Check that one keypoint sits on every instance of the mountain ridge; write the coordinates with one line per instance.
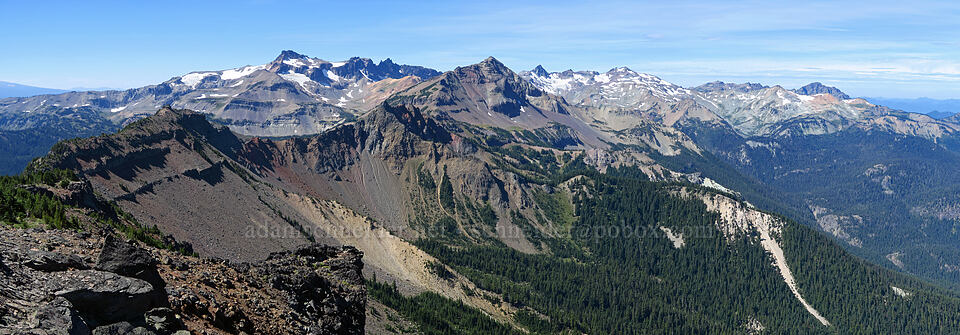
(400, 173)
(474, 125)
(292, 95)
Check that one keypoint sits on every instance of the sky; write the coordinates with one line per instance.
(901, 49)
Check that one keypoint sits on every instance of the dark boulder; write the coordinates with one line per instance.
(59, 317)
(125, 258)
(104, 298)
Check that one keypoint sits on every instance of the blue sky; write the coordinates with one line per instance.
(876, 48)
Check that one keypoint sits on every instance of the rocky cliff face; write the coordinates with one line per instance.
(490, 94)
(170, 172)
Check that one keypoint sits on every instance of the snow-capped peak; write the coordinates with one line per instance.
(620, 86)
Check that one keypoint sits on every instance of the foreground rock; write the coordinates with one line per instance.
(50, 284)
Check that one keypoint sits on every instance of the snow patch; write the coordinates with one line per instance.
(755, 144)
(332, 76)
(118, 109)
(298, 78)
(294, 62)
(602, 78)
(241, 72)
(194, 79)
(553, 83)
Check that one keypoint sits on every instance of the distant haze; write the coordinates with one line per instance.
(17, 90)
(934, 107)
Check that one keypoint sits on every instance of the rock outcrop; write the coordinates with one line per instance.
(65, 282)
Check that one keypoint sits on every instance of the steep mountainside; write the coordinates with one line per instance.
(858, 171)
(431, 202)
(889, 197)
(243, 200)
(485, 202)
(875, 178)
(292, 95)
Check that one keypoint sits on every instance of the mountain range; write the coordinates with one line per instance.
(8, 89)
(937, 108)
(523, 199)
(807, 144)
